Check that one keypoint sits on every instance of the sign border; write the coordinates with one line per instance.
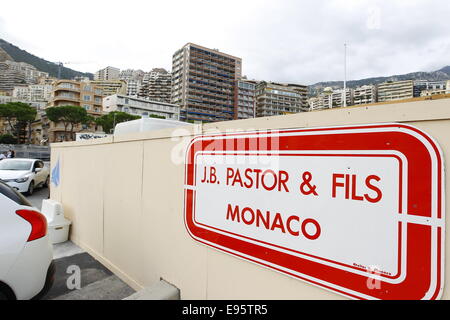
(437, 226)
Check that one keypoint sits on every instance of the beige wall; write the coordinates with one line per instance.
(125, 199)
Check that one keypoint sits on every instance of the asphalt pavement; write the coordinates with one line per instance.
(38, 195)
(78, 275)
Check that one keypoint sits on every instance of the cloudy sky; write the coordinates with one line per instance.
(285, 40)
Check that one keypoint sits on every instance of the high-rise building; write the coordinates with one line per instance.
(280, 98)
(133, 79)
(246, 98)
(365, 95)
(204, 83)
(395, 90)
(133, 87)
(156, 86)
(108, 73)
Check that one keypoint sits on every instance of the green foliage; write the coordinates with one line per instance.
(68, 116)
(108, 121)
(8, 139)
(156, 116)
(19, 116)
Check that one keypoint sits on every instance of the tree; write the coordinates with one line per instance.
(76, 116)
(67, 115)
(8, 139)
(108, 121)
(19, 116)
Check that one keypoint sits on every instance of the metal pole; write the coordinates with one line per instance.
(345, 75)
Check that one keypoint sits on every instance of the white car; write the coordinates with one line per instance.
(26, 257)
(24, 175)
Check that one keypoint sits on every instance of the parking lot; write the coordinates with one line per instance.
(78, 275)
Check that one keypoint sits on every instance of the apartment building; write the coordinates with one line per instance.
(75, 93)
(204, 83)
(331, 98)
(246, 99)
(141, 107)
(108, 73)
(110, 87)
(426, 88)
(133, 87)
(395, 90)
(10, 77)
(35, 104)
(338, 98)
(280, 98)
(131, 74)
(156, 85)
(315, 103)
(33, 92)
(365, 95)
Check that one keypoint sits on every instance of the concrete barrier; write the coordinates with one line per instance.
(124, 196)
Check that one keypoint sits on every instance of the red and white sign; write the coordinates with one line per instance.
(357, 210)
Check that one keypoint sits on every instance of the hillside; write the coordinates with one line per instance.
(442, 74)
(51, 68)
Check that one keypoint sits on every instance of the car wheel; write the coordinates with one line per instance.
(30, 188)
(47, 182)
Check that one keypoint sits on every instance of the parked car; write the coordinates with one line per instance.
(24, 175)
(26, 257)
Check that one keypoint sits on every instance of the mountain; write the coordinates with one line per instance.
(51, 68)
(438, 75)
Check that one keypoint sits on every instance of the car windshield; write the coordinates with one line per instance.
(15, 165)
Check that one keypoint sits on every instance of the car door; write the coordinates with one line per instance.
(39, 176)
(14, 230)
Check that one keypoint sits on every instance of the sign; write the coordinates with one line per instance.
(357, 210)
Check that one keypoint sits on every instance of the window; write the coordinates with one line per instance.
(86, 107)
(38, 164)
(87, 98)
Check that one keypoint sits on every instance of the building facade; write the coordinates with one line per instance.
(246, 98)
(279, 99)
(431, 87)
(141, 107)
(9, 78)
(75, 93)
(133, 87)
(156, 85)
(110, 87)
(395, 90)
(33, 92)
(204, 83)
(108, 73)
(365, 95)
